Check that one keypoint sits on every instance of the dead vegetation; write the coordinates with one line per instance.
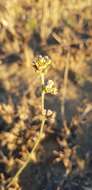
(61, 30)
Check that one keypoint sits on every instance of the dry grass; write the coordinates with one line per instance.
(61, 30)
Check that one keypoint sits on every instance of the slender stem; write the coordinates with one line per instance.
(43, 93)
(43, 99)
(65, 90)
(25, 164)
(15, 178)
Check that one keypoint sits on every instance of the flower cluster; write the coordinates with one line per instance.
(50, 87)
(41, 63)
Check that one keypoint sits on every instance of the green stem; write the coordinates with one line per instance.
(15, 178)
(37, 141)
(43, 99)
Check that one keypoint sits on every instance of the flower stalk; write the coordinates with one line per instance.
(40, 65)
(43, 102)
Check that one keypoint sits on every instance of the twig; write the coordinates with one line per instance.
(65, 90)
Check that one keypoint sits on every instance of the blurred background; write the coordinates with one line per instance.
(61, 29)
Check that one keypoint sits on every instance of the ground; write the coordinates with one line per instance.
(27, 30)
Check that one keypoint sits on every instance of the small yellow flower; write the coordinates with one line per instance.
(50, 87)
(41, 63)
